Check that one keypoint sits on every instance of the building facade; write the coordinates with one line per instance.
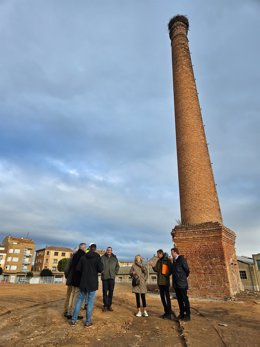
(49, 257)
(2, 256)
(247, 273)
(19, 255)
(256, 259)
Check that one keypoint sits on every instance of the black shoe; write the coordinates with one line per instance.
(180, 317)
(88, 324)
(72, 322)
(110, 309)
(163, 316)
(186, 318)
(80, 317)
(69, 316)
(167, 316)
(104, 309)
(65, 314)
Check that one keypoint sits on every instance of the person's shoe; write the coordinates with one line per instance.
(72, 322)
(65, 314)
(145, 314)
(110, 309)
(180, 317)
(186, 318)
(104, 309)
(69, 316)
(163, 316)
(80, 317)
(139, 314)
(88, 324)
(167, 316)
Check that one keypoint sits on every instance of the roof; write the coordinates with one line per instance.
(18, 239)
(245, 260)
(55, 248)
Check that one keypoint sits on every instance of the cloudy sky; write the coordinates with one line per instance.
(87, 138)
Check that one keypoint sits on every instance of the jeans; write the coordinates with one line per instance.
(90, 296)
(108, 290)
(183, 301)
(165, 298)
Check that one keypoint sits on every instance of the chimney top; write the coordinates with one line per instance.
(176, 19)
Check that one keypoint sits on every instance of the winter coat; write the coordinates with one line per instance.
(76, 275)
(68, 272)
(163, 280)
(143, 275)
(110, 267)
(180, 272)
(89, 266)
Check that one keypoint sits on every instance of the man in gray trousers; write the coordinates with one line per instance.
(111, 268)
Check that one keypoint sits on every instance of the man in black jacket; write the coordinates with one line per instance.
(74, 278)
(89, 266)
(180, 273)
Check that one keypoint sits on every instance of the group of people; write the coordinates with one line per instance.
(81, 274)
(178, 268)
(82, 271)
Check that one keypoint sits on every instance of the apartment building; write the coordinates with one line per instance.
(2, 256)
(48, 257)
(19, 254)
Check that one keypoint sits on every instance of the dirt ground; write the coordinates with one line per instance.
(32, 315)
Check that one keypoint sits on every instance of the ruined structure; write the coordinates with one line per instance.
(208, 245)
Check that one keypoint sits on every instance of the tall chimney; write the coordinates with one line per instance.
(198, 196)
(208, 245)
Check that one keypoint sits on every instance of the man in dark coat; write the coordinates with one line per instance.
(110, 270)
(89, 266)
(74, 276)
(180, 273)
(163, 269)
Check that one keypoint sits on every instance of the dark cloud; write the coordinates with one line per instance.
(87, 147)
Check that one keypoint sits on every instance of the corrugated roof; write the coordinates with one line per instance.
(246, 260)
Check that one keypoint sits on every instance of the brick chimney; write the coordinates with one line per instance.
(208, 245)
(198, 196)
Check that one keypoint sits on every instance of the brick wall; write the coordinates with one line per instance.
(210, 251)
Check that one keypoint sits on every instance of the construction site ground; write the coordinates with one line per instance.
(32, 315)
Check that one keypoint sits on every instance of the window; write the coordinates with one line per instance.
(154, 278)
(7, 267)
(243, 275)
(120, 278)
(11, 250)
(55, 261)
(56, 254)
(15, 259)
(258, 264)
(63, 254)
(9, 259)
(17, 251)
(47, 252)
(54, 268)
(13, 267)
